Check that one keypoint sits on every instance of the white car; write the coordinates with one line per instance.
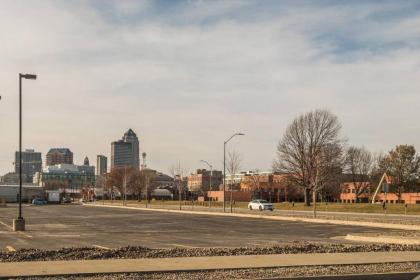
(260, 204)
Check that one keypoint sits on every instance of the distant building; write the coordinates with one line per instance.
(200, 181)
(101, 165)
(86, 161)
(68, 178)
(10, 192)
(31, 163)
(10, 178)
(258, 185)
(59, 156)
(126, 152)
(86, 168)
(269, 186)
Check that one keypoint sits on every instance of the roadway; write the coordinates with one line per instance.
(57, 226)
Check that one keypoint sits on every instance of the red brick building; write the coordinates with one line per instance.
(266, 185)
(349, 192)
(204, 180)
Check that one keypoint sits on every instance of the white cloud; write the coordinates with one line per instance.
(185, 87)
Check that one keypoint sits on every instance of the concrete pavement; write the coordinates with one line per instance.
(49, 268)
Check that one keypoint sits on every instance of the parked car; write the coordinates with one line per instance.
(39, 201)
(260, 204)
(66, 200)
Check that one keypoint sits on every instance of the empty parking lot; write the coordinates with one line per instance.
(56, 226)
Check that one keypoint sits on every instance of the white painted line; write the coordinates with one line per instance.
(18, 232)
(384, 239)
(6, 225)
(180, 245)
(101, 247)
(272, 217)
(24, 234)
(10, 249)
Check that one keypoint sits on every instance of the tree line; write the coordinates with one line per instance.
(314, 156)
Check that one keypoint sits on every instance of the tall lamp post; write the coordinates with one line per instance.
(224, 169)
(19, 223)
(211, 175)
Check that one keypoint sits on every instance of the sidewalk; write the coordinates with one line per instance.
(50, 268)
(271, 217)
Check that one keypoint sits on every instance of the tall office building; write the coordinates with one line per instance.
(59, 156)
(101, 165)
(31, 163)
(126, 152)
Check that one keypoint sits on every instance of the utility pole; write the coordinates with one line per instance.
(125, 184)
(211, 175)
(224, 170)
(177, 183)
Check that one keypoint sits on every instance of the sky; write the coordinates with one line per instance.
(186, 75)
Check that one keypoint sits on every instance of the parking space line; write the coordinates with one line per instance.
(24, 234)
(18, 232)
(6, 225)
(101, 247)
(180, 245)
(10, 249)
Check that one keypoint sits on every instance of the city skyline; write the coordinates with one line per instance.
(185, 77)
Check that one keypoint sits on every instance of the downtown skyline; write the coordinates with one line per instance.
(186, 75)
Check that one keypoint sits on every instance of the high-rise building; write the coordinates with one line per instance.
(131, 137)
(59, 156)
(31, 163)
(126, 152)
(101, 165)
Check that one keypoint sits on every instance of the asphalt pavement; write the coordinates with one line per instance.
(57, 226)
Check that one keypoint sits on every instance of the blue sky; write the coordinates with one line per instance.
(185, 75)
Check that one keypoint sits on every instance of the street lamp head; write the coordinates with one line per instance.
(240, 133)
(28, 76)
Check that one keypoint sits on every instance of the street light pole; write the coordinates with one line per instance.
(224, 169)
(211, 175)
(19, 223)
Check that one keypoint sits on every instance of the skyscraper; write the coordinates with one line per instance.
(59, 156)
(131, 137)
(126, 152)
(31, 163)
(101, 165)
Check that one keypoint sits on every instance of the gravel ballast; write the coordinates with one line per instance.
(132, 252)
(265, 273)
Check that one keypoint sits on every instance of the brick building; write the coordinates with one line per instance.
(349, 190)
(200, 181)
(265, 185)
(270, 186)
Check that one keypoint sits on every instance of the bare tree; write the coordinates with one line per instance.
(233, 165)
(179, 171)
(403, 164)
(254, 178)
(310, 141)
(358, 164)
(330, 168)
(127, 180)
(100, 183)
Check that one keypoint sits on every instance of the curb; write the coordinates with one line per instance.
(383, 239)
(276, 218)
(187, 264)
